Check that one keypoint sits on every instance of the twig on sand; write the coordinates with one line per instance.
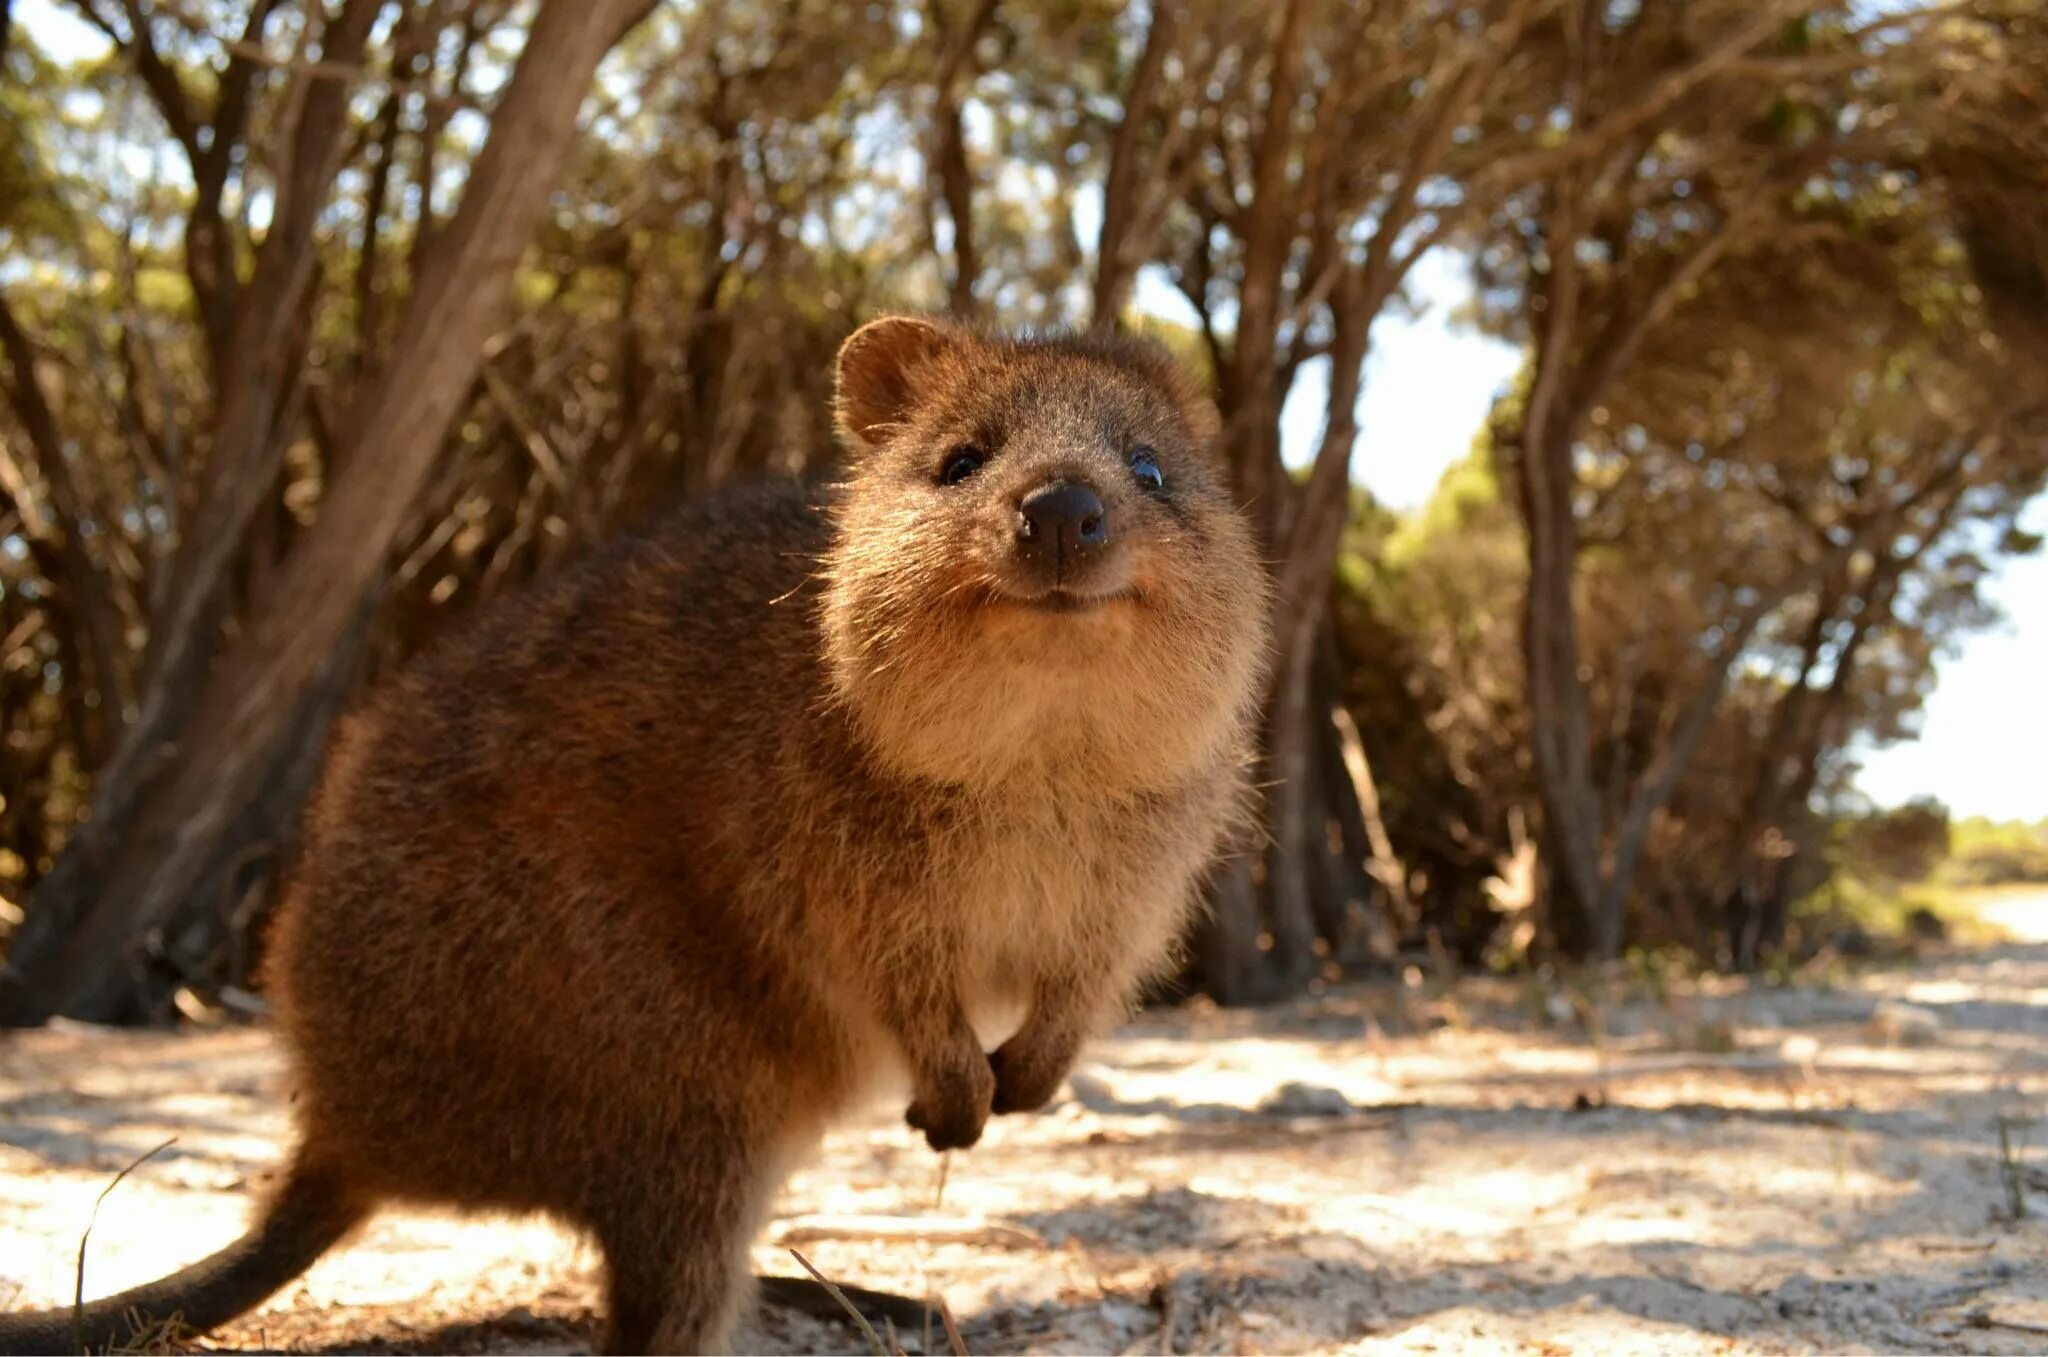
(78, 1275)
(953, 1338)
(1169, 1312)
(2012, 1143)
(1984, 1319)
(890, 1229)
(867, 1330)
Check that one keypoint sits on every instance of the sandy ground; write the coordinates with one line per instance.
(1388, 1169)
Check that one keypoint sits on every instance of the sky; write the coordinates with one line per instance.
(1983, 748)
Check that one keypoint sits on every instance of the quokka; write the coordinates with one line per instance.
(898, 786)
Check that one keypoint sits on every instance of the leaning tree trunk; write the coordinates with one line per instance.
(1287, 882)
(206, 937)
(1559, 727)
(245, 453)
(1557, 698)
(198, 789)
(1291, 895)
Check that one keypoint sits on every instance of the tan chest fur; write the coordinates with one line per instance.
(1037, 889)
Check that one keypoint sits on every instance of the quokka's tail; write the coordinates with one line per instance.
(308, 1215)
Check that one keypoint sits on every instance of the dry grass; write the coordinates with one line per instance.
(889, 1346)
(146, 1339)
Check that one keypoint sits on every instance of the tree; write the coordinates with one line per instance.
(204, 744)
(1657, 195)
(1332, 167)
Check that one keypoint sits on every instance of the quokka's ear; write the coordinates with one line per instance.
(1156, 363)
(1204, 421)
(879, 370)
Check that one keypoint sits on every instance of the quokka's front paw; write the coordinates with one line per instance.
(1028, 1075)
(951, 1110)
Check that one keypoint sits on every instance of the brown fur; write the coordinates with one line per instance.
(609, 908)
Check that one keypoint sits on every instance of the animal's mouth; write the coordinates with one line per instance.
(1065, 600)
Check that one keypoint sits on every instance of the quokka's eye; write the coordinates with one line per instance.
(1145, 468)
(960, 464)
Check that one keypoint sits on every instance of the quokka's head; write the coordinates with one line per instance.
(1038, 572)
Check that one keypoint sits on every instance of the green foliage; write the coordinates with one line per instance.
(1904, 844)
(1996, 853)
(1892, 872)
(1876, 907)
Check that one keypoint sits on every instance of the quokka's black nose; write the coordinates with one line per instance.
(1060, 523)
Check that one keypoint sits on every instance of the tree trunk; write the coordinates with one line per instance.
(1252, 432)
(1558, 719)
(1116, 258)
(243, 464)
(1225, 961)
(1294, 724)
(219, 763)
(951, 176)
(1351, 913)
(1559, 725)
(91, 604)
(205, 942)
